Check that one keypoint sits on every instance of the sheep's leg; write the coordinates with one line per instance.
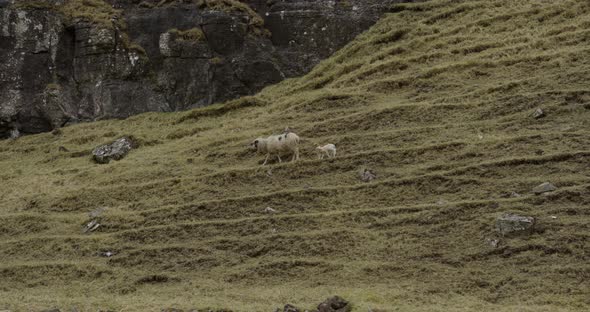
(266, 159)
(279, 156)
(333, 153)
(295, 155)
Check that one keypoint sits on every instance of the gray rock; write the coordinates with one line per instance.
(544, 188)
(538, 113)
(367, 175)
(334, 304)
(113, 151)
(512, 224)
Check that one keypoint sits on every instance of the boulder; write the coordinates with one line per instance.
(512, 224)
(334, 304)
(544, 188)
(115, 150)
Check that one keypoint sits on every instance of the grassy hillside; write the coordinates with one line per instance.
(436, 99)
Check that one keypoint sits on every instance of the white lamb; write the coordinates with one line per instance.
(283, 144)
(328, 150)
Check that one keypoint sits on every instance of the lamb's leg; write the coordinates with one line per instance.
(295, 154)
(333, 153)
(327, 153)
(266, 159)
(279, 156)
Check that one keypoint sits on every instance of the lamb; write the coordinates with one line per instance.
(283, 144)
(328, 149)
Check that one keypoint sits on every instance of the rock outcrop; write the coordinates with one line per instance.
(65, 62)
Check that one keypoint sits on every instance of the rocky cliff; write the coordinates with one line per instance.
(65, 61)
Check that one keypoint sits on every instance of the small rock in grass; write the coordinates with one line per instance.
(538, 113)
(367, 175)
(494, 242)
(544, 188)
(269, 210)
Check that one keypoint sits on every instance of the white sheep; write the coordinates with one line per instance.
(328, 150)
(283, 144)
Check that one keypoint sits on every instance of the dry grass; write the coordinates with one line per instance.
(436, 99)
(193, 34)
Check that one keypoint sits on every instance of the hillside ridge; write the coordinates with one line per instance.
(438, 100)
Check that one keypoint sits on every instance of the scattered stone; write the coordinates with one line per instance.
(509, 224)
(514, 195)
(538, 113)
(367, 175)
(334, 304)
(63, 149)
(116, 150)
(544, 188)
(290, 308)
(269, 210)
(91, 226)
(553, 217)
(494, 242)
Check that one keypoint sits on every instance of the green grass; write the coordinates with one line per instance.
(436, 99)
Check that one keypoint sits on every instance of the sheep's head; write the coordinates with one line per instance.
(254, 144)
(258, 145)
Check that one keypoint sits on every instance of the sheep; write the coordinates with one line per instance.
(283, 144)
(328, 149)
